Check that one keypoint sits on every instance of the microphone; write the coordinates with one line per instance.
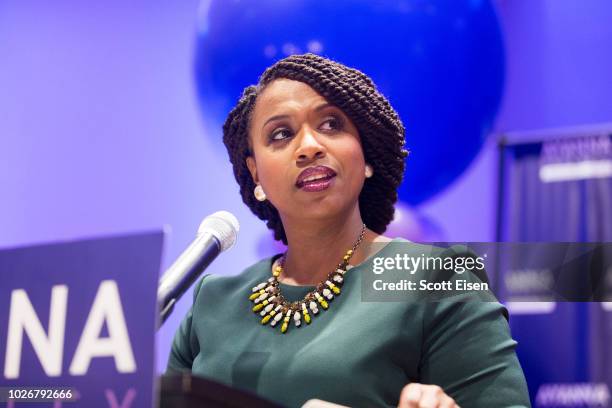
(216, 234)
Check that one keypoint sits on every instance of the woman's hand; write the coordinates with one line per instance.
(416, 395)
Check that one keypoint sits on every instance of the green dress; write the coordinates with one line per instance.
(357, 353)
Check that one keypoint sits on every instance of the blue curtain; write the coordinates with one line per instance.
(560, 189)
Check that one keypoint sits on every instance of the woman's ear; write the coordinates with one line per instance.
(250, 162)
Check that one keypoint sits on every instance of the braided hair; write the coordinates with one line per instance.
(380, 130)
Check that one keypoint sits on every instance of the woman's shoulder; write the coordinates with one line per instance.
(250, 276)
(401, 245)
(404, 245)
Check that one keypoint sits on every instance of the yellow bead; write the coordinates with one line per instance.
(323, 303)
(333, 287)
(284, 327)
(256, 295)
(258, 307)
(307, 318)
(349, 252)
(347, 257)
(266, 319)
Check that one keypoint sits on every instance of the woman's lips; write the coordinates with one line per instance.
(316, 178)
(317, 185)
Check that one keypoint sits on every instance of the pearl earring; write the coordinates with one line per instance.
(259, 193)
(369, 171)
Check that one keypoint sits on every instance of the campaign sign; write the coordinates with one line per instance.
(78, 322)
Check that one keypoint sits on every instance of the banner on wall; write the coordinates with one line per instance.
(557, 187)
(78, 322)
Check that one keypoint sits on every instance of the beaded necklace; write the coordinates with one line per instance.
(272, 306)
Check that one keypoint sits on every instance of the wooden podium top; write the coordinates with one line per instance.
(186, 390)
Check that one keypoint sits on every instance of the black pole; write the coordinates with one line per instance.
(499, 221)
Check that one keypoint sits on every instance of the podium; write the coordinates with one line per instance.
(82, 315)
(186, 391)
(71, 299)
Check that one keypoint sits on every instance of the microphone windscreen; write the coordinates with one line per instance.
(223, 225)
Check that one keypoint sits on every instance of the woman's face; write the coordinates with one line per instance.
(307, 154)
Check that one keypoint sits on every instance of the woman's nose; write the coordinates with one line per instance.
(309, 148)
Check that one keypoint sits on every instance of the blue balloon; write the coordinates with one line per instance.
(441, 64)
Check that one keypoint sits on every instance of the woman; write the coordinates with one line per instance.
(318, 154)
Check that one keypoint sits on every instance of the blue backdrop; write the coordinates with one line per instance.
(561, 190)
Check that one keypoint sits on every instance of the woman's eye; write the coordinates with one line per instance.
(331, 123)
(280, 134)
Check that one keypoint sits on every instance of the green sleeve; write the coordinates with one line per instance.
(185, 346)
(470, 354)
